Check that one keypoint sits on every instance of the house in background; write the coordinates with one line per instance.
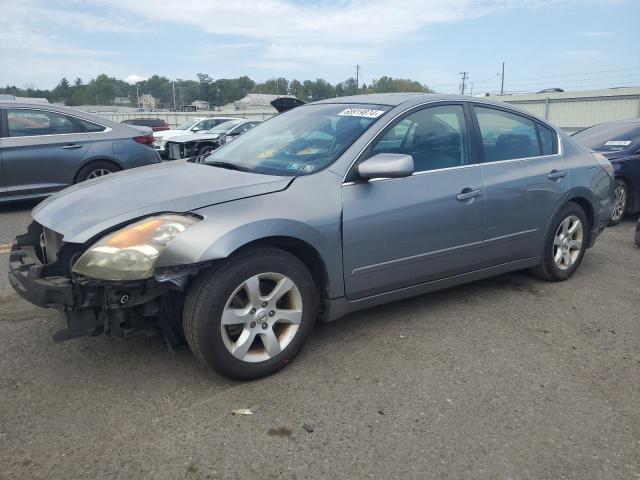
(147, 101)
(201, 105)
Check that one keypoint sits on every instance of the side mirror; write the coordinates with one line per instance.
(386, 165)
(195, 129)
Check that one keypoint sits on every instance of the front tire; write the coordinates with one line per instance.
(564, 245)
(620, 200)
(249, 317)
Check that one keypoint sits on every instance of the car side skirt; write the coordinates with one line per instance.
(339, 307)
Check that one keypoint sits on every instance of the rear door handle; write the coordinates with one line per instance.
(467, 194)
(555, 174)
(71, 146)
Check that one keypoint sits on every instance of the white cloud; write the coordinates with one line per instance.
(133, 78)
(270, 34)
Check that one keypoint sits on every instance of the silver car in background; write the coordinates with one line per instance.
(328, 208)
(44, 148)
(201, 143)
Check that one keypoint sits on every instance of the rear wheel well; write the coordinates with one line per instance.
(588, 210)
(304, 252)
(93, 161)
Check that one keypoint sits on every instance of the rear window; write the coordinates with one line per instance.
(610, 137)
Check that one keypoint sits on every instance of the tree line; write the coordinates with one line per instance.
(106, 90)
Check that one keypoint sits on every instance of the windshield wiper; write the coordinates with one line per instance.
(227, 165)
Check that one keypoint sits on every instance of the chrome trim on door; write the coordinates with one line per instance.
(415, 258)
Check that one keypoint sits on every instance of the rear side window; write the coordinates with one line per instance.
(90, 127)
(547, 140)
(28, 122)
(506, 136)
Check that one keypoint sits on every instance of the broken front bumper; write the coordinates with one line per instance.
(92, 307)
(25, 276)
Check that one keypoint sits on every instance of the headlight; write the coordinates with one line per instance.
(131, 253)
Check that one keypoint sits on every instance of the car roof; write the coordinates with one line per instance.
(395, 99)
(411, 99)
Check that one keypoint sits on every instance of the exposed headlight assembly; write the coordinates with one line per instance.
(131, 253)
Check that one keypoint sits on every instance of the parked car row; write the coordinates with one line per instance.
(194, 125)
(620, 142)
(44, 148)
(328, 208)
(203, 142)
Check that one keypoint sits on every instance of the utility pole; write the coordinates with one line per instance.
(501, 75)
(464, 80)
(173, 84)
(137, 96)
(357, 79)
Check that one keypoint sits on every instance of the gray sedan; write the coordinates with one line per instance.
(329, 208)
(44, 148)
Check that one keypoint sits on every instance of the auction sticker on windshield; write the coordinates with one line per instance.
(618, 143)
(361, 112)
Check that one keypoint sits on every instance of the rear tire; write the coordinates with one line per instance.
(564, 244)
(96, 169)
(620, 202)
(268, 300)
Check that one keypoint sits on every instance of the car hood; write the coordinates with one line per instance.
(164, 134)
(85, 210)
(195, 137)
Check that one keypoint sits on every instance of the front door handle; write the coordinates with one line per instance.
(467, 194)
(556, 174)
(71, 146)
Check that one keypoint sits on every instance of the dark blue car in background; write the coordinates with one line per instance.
(620, 142)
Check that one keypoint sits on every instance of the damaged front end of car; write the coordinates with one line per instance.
(118, 296)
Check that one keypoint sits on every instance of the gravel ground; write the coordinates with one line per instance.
(507, 378)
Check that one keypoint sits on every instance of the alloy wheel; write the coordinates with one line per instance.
(261, 317)
(98, 172)
(619, 202)
(567, 243)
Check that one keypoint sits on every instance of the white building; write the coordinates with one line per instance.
(573, 111)
(258, 101)
(200, 105)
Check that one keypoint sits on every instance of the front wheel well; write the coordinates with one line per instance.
(300, 249)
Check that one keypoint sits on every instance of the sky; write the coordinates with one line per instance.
(576, 45)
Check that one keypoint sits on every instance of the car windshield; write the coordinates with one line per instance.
(187, 125)
(610, 137)
(224, 127)
(300, 141)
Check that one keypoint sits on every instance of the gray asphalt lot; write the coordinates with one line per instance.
(507, 378)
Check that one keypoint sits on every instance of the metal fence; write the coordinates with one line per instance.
(177, 118)
(574, 111)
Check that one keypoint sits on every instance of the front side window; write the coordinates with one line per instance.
(27, 122)
(506, 136)
(301, 141)
(436, 137)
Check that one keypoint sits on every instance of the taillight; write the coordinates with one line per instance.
(145, 139)
(604, 163)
